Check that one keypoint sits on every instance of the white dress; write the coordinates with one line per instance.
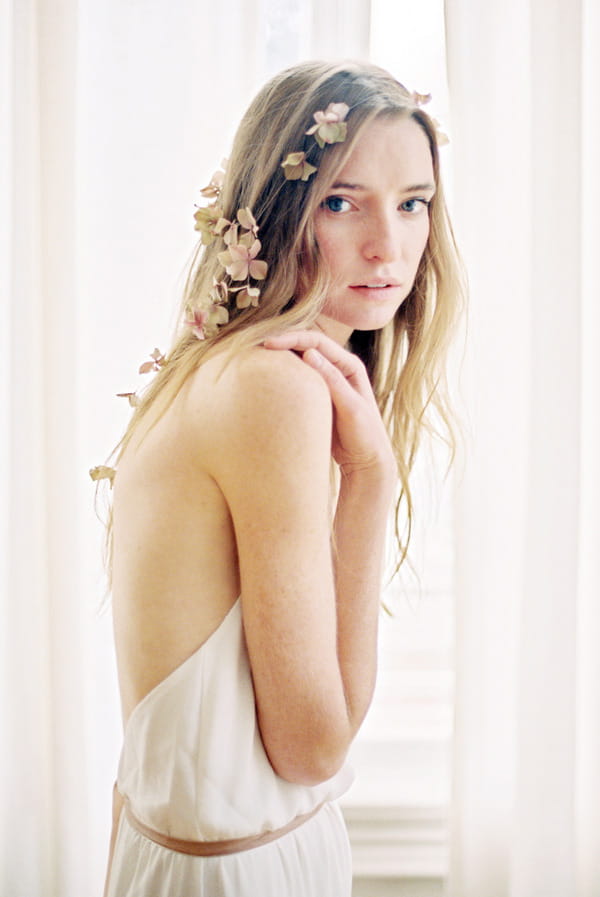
(193, 767)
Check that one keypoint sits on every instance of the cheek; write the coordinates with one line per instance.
(420, 242)
(331, 248)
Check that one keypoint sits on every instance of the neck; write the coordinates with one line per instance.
(341, 333)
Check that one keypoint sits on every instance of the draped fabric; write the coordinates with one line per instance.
(112, 116)
(523, 79)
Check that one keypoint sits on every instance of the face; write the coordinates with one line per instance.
(372, 226)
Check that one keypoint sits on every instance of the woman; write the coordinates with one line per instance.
(245, 576)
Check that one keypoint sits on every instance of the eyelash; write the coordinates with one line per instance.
(329, 199)
(416, 199)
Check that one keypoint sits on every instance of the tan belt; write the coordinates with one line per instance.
(215, 848)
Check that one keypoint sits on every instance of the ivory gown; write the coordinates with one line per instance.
(193, 767)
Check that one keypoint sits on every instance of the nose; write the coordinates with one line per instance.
(382, 238)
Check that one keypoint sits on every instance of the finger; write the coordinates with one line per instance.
(292, 338)
(305, 339)
(347, 363)
(344, 389)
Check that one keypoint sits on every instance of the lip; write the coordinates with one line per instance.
(376, 283)
(374, 290)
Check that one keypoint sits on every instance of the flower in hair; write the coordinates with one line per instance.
(296, 168)
(204, 322)
(208, 220)
(157, 361)
(132, 398)
(247, 296)
(421, 99)
(102, 472)
(213, 190)
(330, 126)
(240, 260)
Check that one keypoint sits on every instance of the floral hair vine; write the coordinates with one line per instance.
(239, 260)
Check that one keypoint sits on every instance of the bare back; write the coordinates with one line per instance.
(176, 569)
(175, 572)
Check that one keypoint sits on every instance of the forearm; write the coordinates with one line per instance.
(359, 543)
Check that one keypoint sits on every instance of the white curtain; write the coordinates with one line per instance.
(112, 115)
(523, 78)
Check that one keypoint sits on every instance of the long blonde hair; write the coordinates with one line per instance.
(405, 360)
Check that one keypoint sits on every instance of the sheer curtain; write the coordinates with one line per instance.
(112, 116)
(523, 80)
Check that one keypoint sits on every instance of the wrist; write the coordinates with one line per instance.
(374, 482)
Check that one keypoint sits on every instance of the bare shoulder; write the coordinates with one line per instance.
(257, 389)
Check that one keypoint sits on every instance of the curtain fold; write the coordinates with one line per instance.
(522, 78)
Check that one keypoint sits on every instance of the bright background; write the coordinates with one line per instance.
(478, 766)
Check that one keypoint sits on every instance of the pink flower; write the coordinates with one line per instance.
(204, 321)
(158, 361)
(330, 126)
(197, 319)
(240, 261)
(214, 188)
(131, 397)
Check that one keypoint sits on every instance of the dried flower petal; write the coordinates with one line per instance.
(247, 296)
(220, 226)
(258, 269)
(420, 99)
(246, 219)
(158, 361)
(208, 222)
(218, 292)
(296, 168)
(218, 315)
(196, 319)
(103, 473)
(231, 235)
(132, 398)
(240, 258)
(440, 137)
(330, 126)
(214, 188)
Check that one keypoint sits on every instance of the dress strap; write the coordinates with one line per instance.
(214, 848)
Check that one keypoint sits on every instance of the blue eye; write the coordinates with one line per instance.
(336, 204)
(413, 206)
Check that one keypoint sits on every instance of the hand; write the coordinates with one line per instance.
(360, 442)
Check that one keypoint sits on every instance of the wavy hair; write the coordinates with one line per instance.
(406, 359)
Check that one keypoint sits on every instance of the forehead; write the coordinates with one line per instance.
(389, 150)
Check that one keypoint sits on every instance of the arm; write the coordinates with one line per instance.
(310, 621)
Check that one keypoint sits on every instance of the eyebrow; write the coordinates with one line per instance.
(413, 188)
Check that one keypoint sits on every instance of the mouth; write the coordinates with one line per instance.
(375, 285)
(375, 289)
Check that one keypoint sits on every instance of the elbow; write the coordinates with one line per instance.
(308, 764)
